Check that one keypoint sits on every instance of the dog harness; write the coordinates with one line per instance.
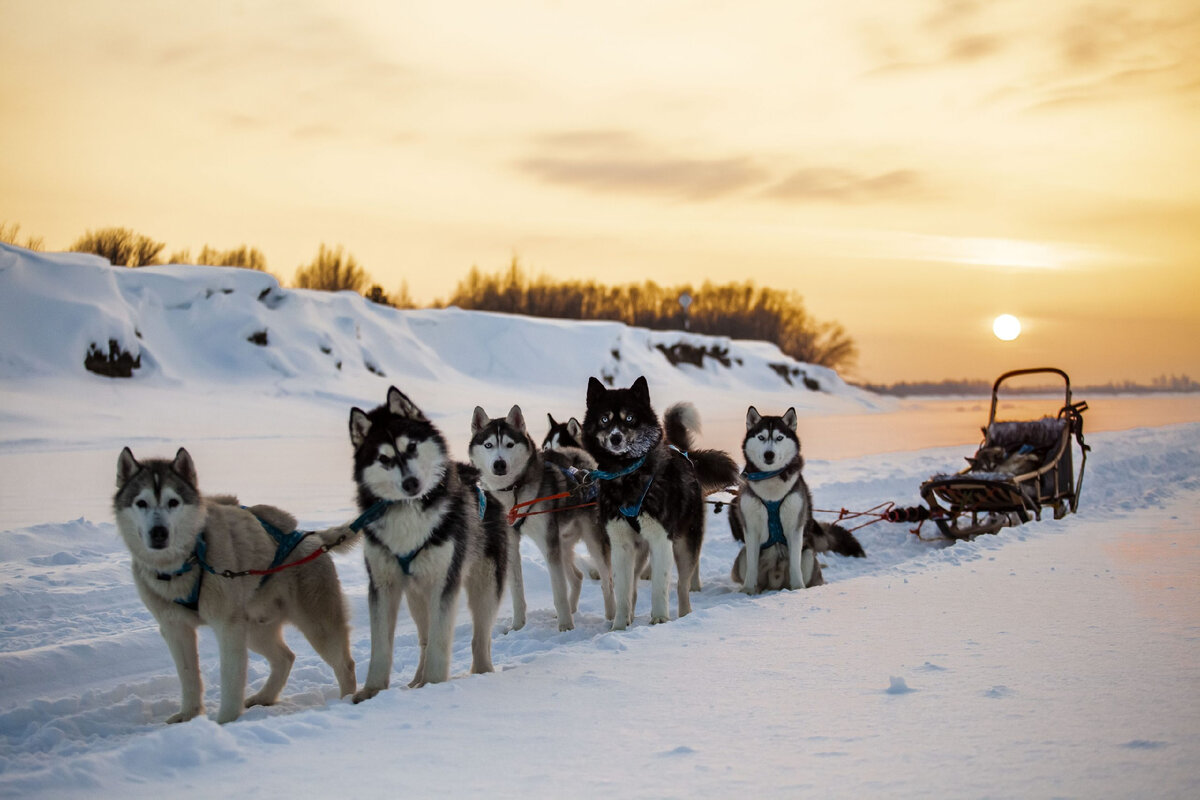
(404, 560)
(192, 601)
(774, 521)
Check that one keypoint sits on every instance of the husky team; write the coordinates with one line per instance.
(626, 484)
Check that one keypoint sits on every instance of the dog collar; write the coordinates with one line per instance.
(605, 475)
(762, 476)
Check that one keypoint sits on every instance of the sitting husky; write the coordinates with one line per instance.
(180, 542)
(772, 513)
(515, 471)
(436, 532)
(650, 488)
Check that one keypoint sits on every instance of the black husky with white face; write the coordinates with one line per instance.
(646, 490)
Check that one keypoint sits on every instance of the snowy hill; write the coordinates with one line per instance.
(1057, 659)
(177, 324)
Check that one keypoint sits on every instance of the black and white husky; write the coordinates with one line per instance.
(651, 486)
(185, 548)
(436, 532)
(772, 513)
(515, 471)
(563, 435)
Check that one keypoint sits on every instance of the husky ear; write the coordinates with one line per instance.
(641, 390)
(360, 426)
(550, 418)
(595, 391)
(515, 418)
(479, 420)
(184, 468)
(575, 429)
(399, 404)
(789, 418)
(752, 417)
(127, 466)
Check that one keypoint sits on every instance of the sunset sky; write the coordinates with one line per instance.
(913, 167)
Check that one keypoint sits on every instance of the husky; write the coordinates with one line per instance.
(436, 532)
(651, 486)
(772, 513)
(515, 471)
(563, 435)
(180, 543)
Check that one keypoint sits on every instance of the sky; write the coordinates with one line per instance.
(911, 168)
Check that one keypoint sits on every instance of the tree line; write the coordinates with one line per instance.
(736, 310)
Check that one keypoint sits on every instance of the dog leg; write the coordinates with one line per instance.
(231, 641)
(516, 580)
(267, 640)
(418, 606)
(181, 642)
(754, 529)
(660, 570)
(327, 629)
(483, 599)
(548, 542)
(686, 568)
(383, 605)
(624, 548)
(574, 577)
(602, 558)
(441, 636)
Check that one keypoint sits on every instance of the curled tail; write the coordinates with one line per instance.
(831, 537)
(715, 469)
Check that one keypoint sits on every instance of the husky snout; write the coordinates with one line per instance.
(158, 537)
(410, 485)
(769, 456)
(500, 466)
(615, 438)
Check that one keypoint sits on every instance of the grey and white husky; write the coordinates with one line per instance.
(651, 487)
(772, 513)
(181, 542)
(563, 435)
(436, 532)
(515, 471)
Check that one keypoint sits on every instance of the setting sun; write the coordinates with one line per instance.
(1006, 327)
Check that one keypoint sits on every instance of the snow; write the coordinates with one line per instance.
(1056, 659)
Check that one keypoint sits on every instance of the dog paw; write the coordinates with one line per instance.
(260, 700)
(659, 619)
(365, 693)
(565, 625)
(748, 590)
(184, 716)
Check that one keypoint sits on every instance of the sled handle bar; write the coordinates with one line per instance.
(1034, 370)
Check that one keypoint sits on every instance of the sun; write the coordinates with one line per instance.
(1006, 327)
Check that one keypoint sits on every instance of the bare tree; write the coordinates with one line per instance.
(10, 234)
(332, 271)
(121, 246)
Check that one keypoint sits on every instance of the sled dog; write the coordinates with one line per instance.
(515, 471)
(772, 513)
(437, 532)
(562, 435)
(181, 541)
(651, 487)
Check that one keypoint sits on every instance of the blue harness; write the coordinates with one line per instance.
(631, 512)
(192, 601)
(404, 560)
(774, 521)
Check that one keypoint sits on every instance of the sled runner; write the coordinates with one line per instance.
(1019, 469)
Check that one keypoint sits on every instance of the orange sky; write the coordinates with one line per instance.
(912, 168)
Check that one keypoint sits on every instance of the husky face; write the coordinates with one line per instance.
(157, 506)
(501, 447)
(398, 453)
(620, 422)
(771, 442)
(562, 435)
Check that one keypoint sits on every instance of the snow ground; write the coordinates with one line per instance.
(1057, 659)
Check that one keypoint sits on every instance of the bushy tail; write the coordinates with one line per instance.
(337, 538)
(715, 469)
(831, 537)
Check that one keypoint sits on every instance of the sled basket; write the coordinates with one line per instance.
(1019, 469)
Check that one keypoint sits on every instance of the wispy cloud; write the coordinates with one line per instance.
(846, 186)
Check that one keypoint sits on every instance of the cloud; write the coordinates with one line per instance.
(814, 184)
(607, 161)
